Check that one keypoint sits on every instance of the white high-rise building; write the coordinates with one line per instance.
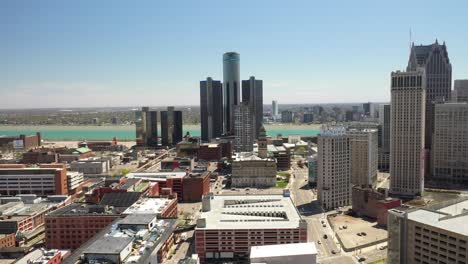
(407, 131)
(334, 173)
(274, 106)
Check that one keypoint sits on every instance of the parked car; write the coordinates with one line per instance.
(333, 252)
(325, 236)
(319, 242)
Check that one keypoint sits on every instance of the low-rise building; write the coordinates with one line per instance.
(373, 203)
(297, 253)
(230, 225)
(47, 179)
(210, 152)
(91, 166)
(7, 240)
(436, 234)
(20, 141)
(74, 180)
(171, 164)
(249, 170)
(42, 256)
(25, 215)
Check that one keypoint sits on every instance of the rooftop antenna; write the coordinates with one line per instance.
(410, 38)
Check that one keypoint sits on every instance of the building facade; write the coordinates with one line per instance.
(211, 109)
(231, 89)
(274, 108)
(334, 168)
(384, 137)
(254, 172)
(450, 146)
(252, 93)
(171, 127)
(364, 156)
(146, 123)
(407, 131)
(244, 127)
(438, 234)
(460, 92)
(438, 81)
(286, 116)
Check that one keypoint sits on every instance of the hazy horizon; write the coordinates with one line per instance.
(59, 54)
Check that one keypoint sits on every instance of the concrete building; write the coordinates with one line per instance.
(146, 123)
(287, 116)
(171, 127)
(74, 180)
(244, 127)
(308, 118)
(252, 93)
(44, 180)
(334, 168)
(274, 108)
(42, 256)
(460, 92)
(450, 146)
(249, 170)
(437, 234)
(91, 166)
(230, 225)
(298, 253)
(282, 156)
(211, 109)
(231, 89)
(408, 95)
(363, 145)
(384, 137)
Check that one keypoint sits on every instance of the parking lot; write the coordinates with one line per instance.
(357, 231)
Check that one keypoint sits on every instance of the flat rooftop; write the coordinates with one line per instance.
(157, 175)
(77, 209)
(283, 250)
(452, 217)
(251, 211)
(137, 219)
(109, 245)
(147, 206)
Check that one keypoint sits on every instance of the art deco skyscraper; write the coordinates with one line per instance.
(438, 71)
(231, 89)
(334, 173)
(146, 122)
(252, 93)
(211, 109)
(171, 127)
(408, 108)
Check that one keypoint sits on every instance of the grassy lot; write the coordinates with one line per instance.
(281, 184)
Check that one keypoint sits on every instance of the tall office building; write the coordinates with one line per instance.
(211, 109)
(363, 144)
(287, 116)
(274, 108)
(438, 78)
(171, 127)
(334, 173)
(384, 137)
(460, 91)
(450, 146)
(437, 234)
(146, 122)
(244, 128)
(367, 108)
(231, 89)
(408, 108)
(252, 93)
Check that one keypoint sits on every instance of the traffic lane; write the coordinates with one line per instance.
(337, 259)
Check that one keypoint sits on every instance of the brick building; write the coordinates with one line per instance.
(21, 141)
(210, 152)
(230, 225)
(195, 186)
(373, 203)
(7, 240)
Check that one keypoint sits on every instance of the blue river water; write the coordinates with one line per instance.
(122, 133)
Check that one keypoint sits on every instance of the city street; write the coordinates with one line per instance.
(305, 200)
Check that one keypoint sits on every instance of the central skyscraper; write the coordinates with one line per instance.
(231, 89)
(252, 93)
(408, 109)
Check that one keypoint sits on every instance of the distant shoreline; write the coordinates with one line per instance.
(132, 127)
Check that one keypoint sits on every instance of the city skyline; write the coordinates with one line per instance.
(62, 55)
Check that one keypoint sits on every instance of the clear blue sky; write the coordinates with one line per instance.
(122, 53)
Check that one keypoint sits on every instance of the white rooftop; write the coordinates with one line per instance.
(453, 218)
(147, 206)
(283, 250)
(157, 175)
(251, 211)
